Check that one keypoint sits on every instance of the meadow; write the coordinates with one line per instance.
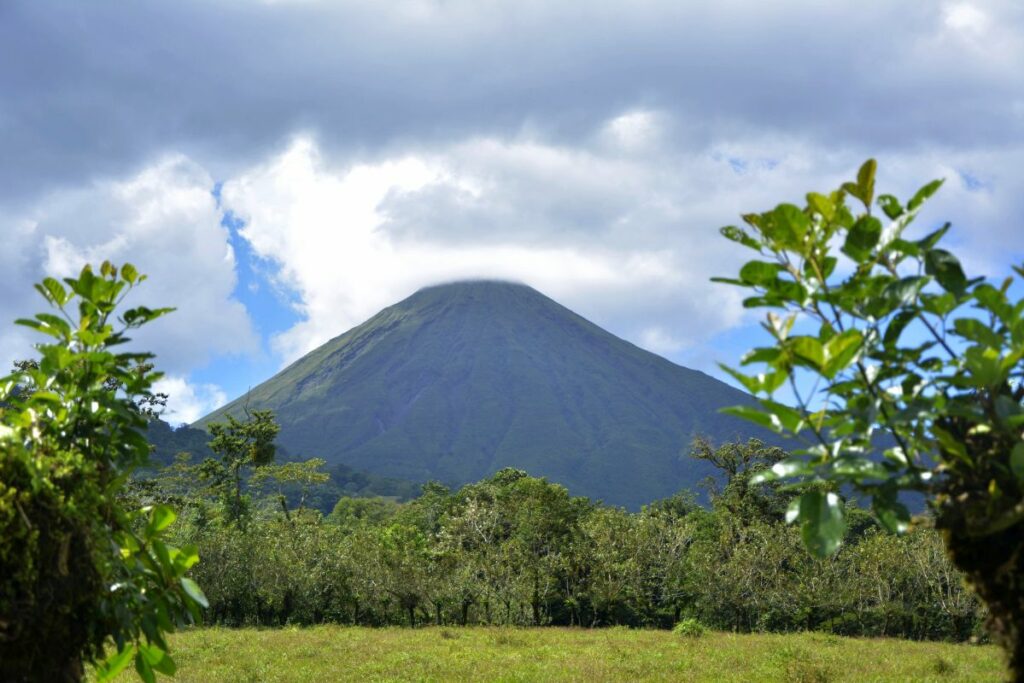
(344, 653)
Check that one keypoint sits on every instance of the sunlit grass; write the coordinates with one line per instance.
(330, 653)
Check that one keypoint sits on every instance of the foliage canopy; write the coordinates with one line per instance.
(80, 569)
(883, 339)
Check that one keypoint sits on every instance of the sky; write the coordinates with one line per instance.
(283, 170)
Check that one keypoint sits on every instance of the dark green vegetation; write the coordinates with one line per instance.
(459, 381)
(900, 342)
(517, 550)
(332, 653)
(78, 568)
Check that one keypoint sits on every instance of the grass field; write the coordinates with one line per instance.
(333, 653)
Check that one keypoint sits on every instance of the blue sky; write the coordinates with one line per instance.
(283, 170)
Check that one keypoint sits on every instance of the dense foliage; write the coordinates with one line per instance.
(513, 549)
(81, 571)
(883, 338)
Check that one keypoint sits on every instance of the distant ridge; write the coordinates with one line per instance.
(460, 380)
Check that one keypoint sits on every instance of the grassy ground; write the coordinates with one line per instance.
(332, 653)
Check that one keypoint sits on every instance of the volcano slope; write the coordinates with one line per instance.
(460, 380)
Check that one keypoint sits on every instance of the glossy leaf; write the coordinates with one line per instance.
(946, 270)
(822, 522)
(1017, 460)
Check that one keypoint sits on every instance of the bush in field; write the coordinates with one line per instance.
(689, 628)
(80, 572)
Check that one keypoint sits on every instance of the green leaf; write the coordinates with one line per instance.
(945, 268)
(1009, 411)
(750, 383)
(791, 224)
(840, 351)
(858, 468)
(188, 555)
(754, 415)
(923, 194)
(731, 232)
(114, 664)
(940, 305)
(158, 659)
(759, 272)
(785, 469)
(1017, 460)
(928, 242)
(767, 354)
(53, 291)
(809, 350)
(862, 238)
(822, 522)
(790, 418)
(143, 668)
(896, 327)
(762, 382)
(821, 204)
(194, 591)
(951, 445)
(904, 292)
(977, 331)
(890, 205)
(890, 512)
(129, 274)
(866, 181)
(984, 367)
(160, 517)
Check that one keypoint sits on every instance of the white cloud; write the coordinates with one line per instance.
(628, 240)
(166, 222)
(634, 131)
(964, 16)
(342, 238)
(659, 341)
(589, 149)
(187, 402)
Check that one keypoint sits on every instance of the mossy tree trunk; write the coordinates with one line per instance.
(994, 566)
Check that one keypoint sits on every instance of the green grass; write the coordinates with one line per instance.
(333, 653)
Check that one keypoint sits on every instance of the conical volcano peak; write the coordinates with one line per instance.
(475, 291)
(462, 379)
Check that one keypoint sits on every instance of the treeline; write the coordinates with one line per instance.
(515, 549)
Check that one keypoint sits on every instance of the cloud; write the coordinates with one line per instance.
(187, 402)
(103, 89)
(166, 222)
(590, 149)
(350, 241)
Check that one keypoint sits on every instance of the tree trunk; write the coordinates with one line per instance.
(994, 566)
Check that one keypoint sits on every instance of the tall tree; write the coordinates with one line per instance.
(242, 445)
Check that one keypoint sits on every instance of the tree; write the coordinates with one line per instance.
(303, 476)
(241, 445)
(80, 571)
(740, 463)
(883, 340)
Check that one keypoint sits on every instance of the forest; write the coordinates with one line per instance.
(515, 549)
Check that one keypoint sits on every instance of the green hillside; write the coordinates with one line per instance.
(460, 380)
